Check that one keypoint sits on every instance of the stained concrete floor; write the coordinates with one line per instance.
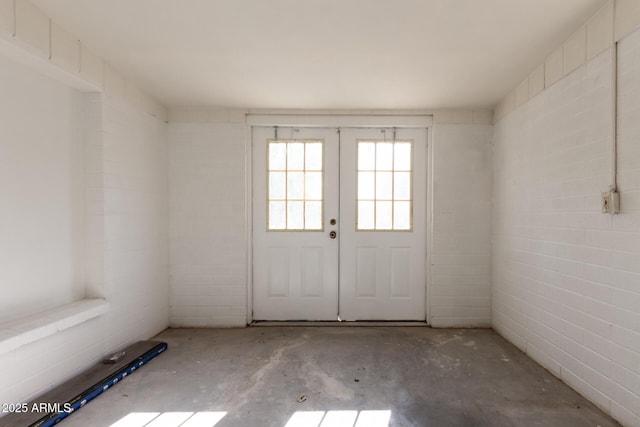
(417, 376)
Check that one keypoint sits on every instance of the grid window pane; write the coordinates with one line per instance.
(366, 215)
(295, 185)
(402, 186)
(384, 185)
(402, 156)
(295, 215)
(313, 215)
(367, 156)
(384, 196)
(313, 156)
(277, 185)
(384, 215)
(277, 215)
(366, 185)
(384, 156)
(313, 186)
(277, 156)
(401, 215)
(295, 156)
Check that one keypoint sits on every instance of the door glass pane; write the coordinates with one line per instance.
(366, 215)
(277, 156)
(277, 185)
(277, 216)
(402, 215)
(402, 186)
(402, 156)
(384, 215)
(384, 185)
(313, 186)
(313, 215)
(295, 215)
(384, 156)
(366, 185)
(313, 156)
(295, 185)
(367, 156)
(295, 156)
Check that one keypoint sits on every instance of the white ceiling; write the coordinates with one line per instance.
(323, 54)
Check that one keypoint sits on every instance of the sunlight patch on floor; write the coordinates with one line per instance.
(340, 419)
(298, 419)
(170, 419)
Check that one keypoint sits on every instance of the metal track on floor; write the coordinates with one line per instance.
(340, 324)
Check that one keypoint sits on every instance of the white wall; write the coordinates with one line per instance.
(41, 193)
(208, 193)
(82, 171)
(460, 285)
(31, 37)
(136, 222)
(208, 224)
(565, 276)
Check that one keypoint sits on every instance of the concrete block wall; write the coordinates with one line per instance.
(42, 244)
(99, 216)
(588, 41)
(94, 196)
(89, 219)
(136, 222)
(37, 367)
(208, 157)
(460, 244)
(208, 194)
(623, 239)
(565, 276)
(42, 186)
(28, 35)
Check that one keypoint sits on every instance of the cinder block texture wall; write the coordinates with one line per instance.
(460, 245)
(208, 232)
(83, 164)
(208, 235)
(42, 187)
(566, 278)
(87, 177)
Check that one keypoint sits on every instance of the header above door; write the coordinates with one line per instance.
(346, 121)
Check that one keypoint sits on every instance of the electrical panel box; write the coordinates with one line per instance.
(611, 202)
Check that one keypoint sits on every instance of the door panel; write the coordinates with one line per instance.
(368, 186)
(295, 193)
(383, 230)
(400, 272)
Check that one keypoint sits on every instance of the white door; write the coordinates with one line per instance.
(383, 224)
(339, 224)
(295, 194)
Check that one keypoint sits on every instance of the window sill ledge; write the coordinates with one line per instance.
(16, 333)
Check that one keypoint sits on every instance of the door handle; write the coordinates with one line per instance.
(332, 234)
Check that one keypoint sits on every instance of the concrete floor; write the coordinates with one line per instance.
(417, 376)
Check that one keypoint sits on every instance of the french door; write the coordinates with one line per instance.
(339, 223)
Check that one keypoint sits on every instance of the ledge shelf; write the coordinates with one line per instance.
(16, 333)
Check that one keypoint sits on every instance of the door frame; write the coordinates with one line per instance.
(361, 121)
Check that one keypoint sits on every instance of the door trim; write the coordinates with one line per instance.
(336, 121)
(340, 121)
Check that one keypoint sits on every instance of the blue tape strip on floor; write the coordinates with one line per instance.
(90, 394)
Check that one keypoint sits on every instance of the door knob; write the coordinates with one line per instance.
(332, 234)
(332, 221)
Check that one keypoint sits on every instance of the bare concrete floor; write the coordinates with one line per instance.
(336, 376)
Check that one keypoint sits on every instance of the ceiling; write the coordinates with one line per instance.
(323, 54)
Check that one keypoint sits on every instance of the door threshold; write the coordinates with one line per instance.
(336, 323)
